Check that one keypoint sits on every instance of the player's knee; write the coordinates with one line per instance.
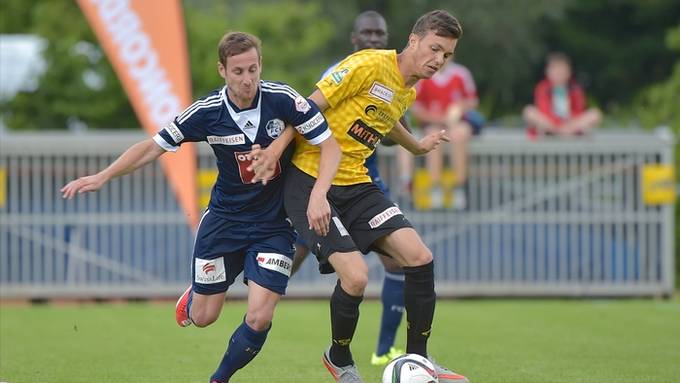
(355, 282)
(259, 320)
(203, 319)
(418, 258)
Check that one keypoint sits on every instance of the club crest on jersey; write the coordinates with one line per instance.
(301, 104)
(381, 92)
(363, 133)
(337, 76)
(274, 128)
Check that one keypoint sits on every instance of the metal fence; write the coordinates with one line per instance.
(558, 217)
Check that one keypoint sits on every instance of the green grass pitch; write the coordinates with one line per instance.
(504, 341)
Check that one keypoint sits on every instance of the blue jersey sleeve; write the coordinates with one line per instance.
(300, 112)
(311, 124)
(190, 125)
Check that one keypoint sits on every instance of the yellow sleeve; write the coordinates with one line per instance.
(347, 79)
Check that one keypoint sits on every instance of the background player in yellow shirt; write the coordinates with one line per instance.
(362, 101)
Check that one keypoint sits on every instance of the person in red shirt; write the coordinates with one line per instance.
(559, 103)
(448, 101)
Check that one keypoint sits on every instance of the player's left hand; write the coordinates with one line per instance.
(432, 141)
(319, 213)
(263, 164)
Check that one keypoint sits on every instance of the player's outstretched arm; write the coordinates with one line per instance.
(400, 135)
(387, 141)
(319, 100)
(318, 209)
(135, 157)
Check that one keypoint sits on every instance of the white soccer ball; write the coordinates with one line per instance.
(410, 368)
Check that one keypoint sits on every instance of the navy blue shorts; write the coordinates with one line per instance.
(224, 248)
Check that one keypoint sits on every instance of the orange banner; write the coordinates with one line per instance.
(145, 41)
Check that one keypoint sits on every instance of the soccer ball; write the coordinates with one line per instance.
(410, 368)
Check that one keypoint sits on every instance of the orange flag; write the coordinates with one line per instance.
(145, 41)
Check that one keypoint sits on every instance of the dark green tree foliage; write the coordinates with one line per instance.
(71, 55)
(617, 45)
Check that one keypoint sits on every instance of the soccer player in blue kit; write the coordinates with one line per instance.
(245, 227)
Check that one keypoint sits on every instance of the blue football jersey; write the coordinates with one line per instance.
(231, 132)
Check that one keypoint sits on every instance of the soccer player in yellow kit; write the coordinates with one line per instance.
(362, 101)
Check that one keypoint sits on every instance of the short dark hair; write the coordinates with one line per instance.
(557, 57)
(235, 43)
(440, 22)
(366, 14)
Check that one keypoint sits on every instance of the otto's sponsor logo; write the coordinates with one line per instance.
(209, 271)
(373, 111)
(301, 104)
(174, 132)
(274, 128)
(312, 123)
(381, 92)
(365, 134)
(384, 216)
(337, 76)
(235, 139)
(275, 262)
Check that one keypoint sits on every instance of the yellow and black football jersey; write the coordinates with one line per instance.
(366, 97)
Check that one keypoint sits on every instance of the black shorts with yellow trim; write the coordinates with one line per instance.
(360, 215)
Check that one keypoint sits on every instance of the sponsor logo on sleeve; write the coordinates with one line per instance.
(301, 104)
(174, 132)
(274, 128)
(365, 134)
(235, 139)
(337, 76)
(312, 123)
(382, 217)
(275, 262)
(209, 271)
(381, 92)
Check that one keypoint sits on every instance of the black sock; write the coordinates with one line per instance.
(419, 298)
(344, 318)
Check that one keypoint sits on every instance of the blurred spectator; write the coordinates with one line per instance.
(559, 103)
(448, 101)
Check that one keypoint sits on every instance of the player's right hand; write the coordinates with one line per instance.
(432, 141)
(319, 213)
(82, 185)
(263, 164)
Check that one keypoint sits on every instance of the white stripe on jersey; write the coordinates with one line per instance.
(281, 86)
(197, 103)
(320, 138)
(280, 92)
(272, 88)
(164, 144)
(212, 104)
